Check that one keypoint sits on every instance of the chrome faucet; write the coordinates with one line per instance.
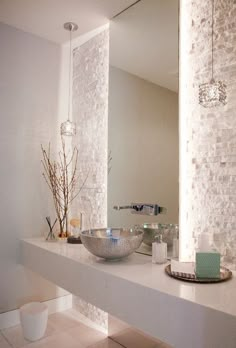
(143, 208)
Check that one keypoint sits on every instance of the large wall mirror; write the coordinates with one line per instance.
(143, 112)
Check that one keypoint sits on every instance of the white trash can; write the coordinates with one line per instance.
(34, 317)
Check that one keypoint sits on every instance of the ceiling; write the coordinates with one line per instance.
(45, 18)
(144, 39)
(144, 42)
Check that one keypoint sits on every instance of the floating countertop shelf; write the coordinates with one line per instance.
(185, 315)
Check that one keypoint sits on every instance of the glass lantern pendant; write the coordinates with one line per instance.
(212, 93)
(68, 127)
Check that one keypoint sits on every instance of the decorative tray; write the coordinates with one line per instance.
(225, 274)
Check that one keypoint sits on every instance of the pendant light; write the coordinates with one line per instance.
(68, 127)
(212, 93)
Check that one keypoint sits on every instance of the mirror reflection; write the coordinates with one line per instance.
(143, 112)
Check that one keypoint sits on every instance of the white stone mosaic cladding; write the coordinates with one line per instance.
(90, 112)
(95, 314)
(208, 143)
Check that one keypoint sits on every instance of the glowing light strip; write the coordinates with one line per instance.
(186, 243)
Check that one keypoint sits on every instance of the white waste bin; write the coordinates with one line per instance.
(33, 317)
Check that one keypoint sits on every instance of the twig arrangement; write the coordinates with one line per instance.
(51, 235)
(61, 178)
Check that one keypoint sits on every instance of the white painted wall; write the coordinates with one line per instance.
(143, 139)
(29, 70)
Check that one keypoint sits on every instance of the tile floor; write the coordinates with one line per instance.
(64, 330)
(132, 338)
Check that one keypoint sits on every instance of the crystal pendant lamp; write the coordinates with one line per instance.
(68, 127)
(212, 93)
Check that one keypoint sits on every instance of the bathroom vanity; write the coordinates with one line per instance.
(140, 293)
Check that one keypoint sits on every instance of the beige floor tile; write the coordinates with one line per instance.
(14, 335)
(86, 335)
(115, 325)
(62, 340)
(57, 323)
(3, 342)
(62, 321)
(107, 343)
(131, 338)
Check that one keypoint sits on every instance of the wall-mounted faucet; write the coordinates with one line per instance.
(143, 208)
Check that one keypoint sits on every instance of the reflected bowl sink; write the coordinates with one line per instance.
(151, 230)
(112, 243)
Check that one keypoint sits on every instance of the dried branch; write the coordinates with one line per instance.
(61, 178)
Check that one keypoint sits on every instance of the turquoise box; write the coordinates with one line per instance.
(207, 264)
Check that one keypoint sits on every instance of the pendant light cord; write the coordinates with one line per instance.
(212, 39)
(69, 78)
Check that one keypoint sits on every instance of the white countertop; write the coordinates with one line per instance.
(140, 293)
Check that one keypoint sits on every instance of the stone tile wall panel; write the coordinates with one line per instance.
(210, 147)
(90, 112)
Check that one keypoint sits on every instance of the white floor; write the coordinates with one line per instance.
(64, 330)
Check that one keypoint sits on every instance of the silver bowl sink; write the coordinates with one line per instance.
(151, 230)
(112, 243)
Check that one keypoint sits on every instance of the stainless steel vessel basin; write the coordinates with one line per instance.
(112, 243)
(151, 230)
